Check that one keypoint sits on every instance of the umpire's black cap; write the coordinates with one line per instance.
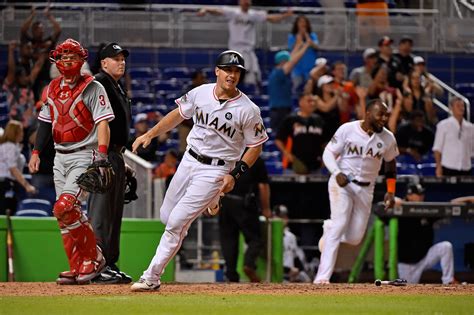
(415, 189)
(112, 50)
(230, 58)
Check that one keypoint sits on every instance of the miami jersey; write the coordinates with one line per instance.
(221, 130)
(360, 154)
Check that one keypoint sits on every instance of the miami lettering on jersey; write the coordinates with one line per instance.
(202, 118)
(355, 150)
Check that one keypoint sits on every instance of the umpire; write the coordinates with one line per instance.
(106, 210)
(239, 212)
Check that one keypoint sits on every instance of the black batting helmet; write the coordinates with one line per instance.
(230, 58)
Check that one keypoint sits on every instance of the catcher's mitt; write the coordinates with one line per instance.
(130, 187)
(97, 178)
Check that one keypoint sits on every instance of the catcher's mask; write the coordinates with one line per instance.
(69, 56)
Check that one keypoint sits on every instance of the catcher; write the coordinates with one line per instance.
(75, 112)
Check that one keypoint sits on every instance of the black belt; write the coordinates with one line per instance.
(204, 159)
(72, 150)
(117, 148)
(363, 184)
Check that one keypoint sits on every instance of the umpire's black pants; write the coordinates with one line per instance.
(233, 218)
(105, 212)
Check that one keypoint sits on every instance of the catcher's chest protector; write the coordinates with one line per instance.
(74, 121)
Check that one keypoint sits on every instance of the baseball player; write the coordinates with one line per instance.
(242, 22)
(225, 122)
(76, 113)
(354, 156)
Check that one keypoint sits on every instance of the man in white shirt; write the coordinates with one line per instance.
(354, 157)
(453, 145)
(242, 23)
(225, 122)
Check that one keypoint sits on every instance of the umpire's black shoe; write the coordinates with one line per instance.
(125, 278)
(107, 276)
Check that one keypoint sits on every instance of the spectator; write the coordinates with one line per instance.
(417, 97)
(328, 101)
(334, 21)
(11, 167)
(414, 138)
(141, 127)
(454, 142)
(320, 68)
(346, 90)
(279, 82)
(404, 55)
(302, 28)
(385, 56)
(168, 167)
(18, 85)
(40, 44)
(242, 23)
(372, 17)
(294, 259)
(427, 83)
(300, 138)
(361, 76)
(416, 252)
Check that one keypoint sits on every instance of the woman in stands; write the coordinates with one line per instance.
(302, 29)
(11, 166)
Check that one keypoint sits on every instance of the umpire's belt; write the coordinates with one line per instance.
(204, 159)
(363, 184)
(72, 150)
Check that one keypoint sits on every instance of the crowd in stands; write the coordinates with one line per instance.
(303, 99)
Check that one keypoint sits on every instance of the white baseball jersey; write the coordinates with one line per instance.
(95, 98)
(360, 154)
(242, 25)
(221, 130)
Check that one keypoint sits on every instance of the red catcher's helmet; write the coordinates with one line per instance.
(69, 46)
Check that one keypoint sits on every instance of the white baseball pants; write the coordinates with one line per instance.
(440, 252)
(194, 187)
(350, 211)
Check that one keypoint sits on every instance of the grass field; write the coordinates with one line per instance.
(236, 299)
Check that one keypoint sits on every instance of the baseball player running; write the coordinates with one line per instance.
(354, 157)
(225, 122)
(76, 112)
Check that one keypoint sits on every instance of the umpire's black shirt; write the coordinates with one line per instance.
(120, 125)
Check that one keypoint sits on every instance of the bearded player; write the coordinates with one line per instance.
(75, 112)
(354, 157)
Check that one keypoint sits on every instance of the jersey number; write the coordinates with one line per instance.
(102, 100)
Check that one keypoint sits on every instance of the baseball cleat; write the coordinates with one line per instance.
(321, 282)
(144, 285)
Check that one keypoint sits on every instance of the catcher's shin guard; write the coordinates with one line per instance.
(73, 256)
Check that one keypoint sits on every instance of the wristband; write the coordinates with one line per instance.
(240, 168)
(391, 184)
(102, 149)
(35, 152)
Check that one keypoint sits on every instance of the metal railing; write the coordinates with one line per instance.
(178, 26)
(142, 207)
(451, 93)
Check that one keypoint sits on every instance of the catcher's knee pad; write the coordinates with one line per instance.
(66, 209)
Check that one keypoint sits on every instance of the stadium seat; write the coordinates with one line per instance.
(164, 86)
(142, 73)
(177, 72)
(33, 207)
(406, 169)
(143, 97)
(139, 85)
(427, 169)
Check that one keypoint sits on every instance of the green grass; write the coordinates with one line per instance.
(142, 304)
